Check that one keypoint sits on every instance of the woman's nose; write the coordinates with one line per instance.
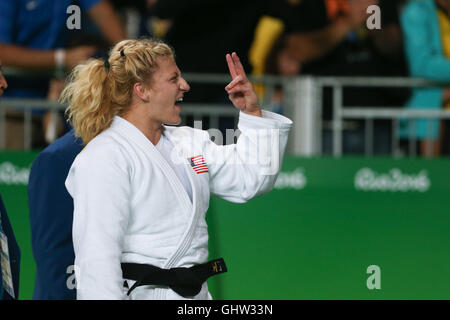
(3, 82)
(184, 85)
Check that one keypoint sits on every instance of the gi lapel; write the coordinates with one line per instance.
(129, 131)
(186, 240)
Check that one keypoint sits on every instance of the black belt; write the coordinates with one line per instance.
(187, 282)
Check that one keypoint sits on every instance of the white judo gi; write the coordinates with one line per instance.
(130, 206)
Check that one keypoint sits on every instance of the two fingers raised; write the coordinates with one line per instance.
(237, 71)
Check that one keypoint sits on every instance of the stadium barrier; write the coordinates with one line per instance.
(341, 112)
(317, 235)
(302, 102)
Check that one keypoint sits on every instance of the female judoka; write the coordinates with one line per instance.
(141, 186)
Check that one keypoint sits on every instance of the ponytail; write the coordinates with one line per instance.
(89, 109)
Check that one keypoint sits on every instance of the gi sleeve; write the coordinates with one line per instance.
(99, 182)
(51, 215)
(249, 168)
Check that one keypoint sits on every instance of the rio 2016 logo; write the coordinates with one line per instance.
(367, 179)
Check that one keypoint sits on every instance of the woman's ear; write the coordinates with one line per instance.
(141, 91)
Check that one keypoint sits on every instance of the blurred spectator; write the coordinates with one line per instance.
(280, 62)
(336, 41)
(333, 40)
(33, 34)
(214, 27)
(140, 20)
(268, 30)
(426, 28)
(155, 26)
(200, 26)
(3, 83)
(51, 215)
(134, 14)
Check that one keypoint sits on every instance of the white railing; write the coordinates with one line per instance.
(341, 112)
(302, 103)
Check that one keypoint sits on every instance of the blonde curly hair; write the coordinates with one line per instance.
(99, 90)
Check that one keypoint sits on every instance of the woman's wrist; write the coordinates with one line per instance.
(60, 58)
(257, 112)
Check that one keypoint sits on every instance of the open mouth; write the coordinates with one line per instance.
(178, 101)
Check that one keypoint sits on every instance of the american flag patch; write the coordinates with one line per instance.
(198, 164)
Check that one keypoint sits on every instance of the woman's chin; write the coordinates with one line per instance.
(174, 121)
(175, 118)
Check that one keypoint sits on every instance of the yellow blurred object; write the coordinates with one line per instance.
(160, 27)
(266, 33)
(444, 22)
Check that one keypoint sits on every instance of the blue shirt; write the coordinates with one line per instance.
(35, 24)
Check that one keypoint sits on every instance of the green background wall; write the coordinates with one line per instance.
(14, 171)
(315, 234)
(317, 242)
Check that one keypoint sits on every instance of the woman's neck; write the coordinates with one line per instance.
(152, 130)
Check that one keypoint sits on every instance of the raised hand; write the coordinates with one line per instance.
(240, 89)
